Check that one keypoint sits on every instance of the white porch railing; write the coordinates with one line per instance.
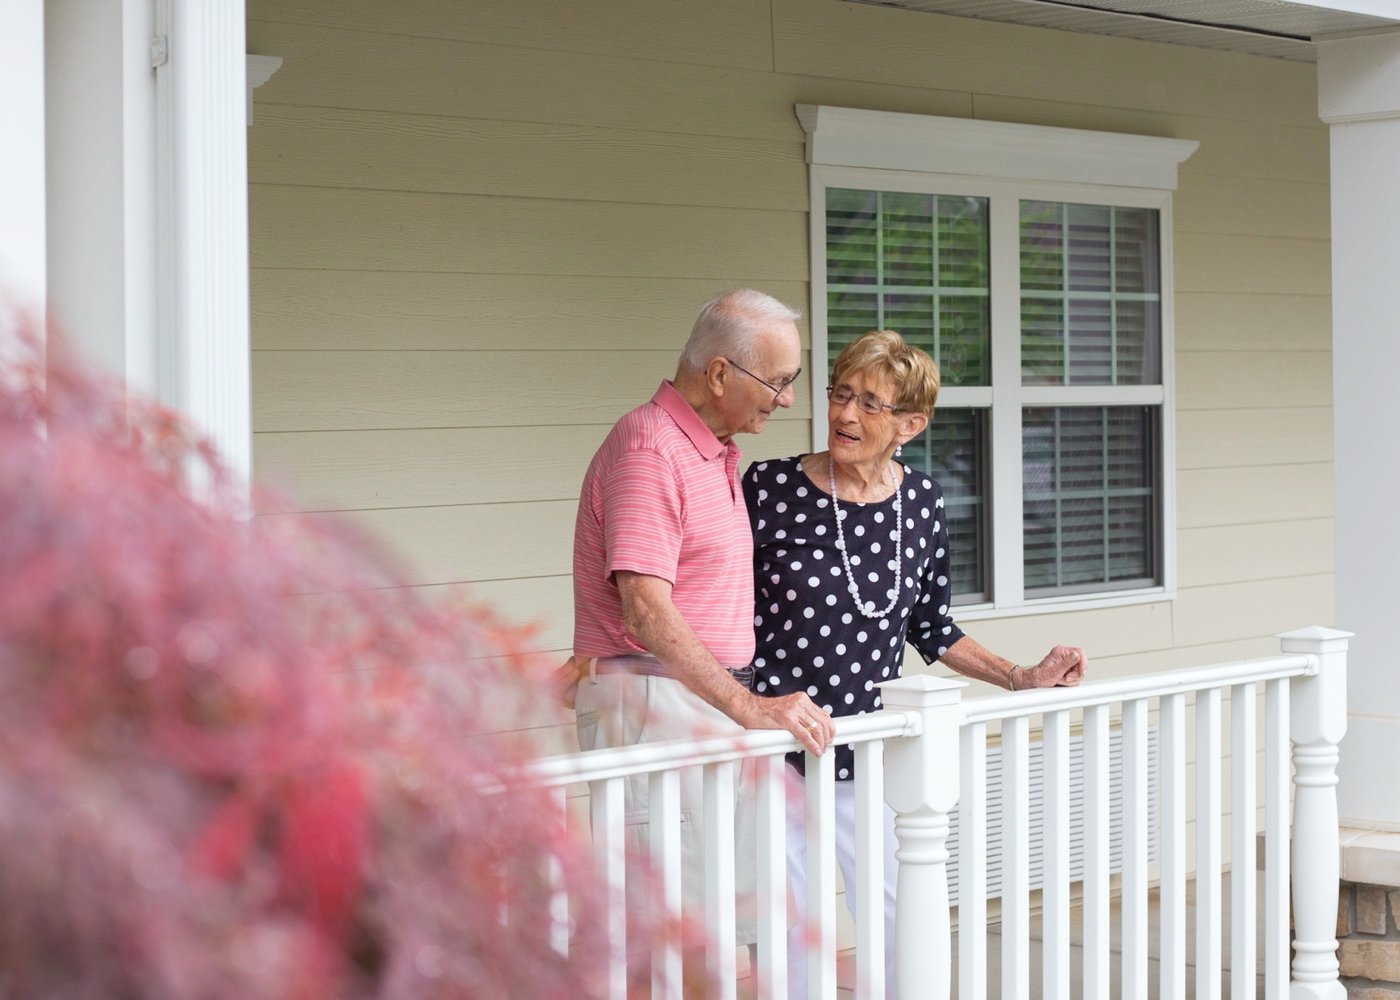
(927, 752)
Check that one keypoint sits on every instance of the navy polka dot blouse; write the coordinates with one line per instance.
(810, 635)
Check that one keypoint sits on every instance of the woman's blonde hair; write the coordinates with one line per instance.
(884, 354)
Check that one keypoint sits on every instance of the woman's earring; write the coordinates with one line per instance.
(898, 450)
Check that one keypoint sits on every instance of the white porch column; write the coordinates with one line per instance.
(22, 228)
(921, 785)
(202, 208)
(101, 184)
(1359, 97)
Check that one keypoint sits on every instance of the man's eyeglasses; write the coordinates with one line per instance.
(778, 389)
(870, 403)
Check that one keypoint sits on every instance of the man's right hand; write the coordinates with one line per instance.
(796, 713)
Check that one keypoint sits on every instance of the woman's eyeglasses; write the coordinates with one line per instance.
(870, 403)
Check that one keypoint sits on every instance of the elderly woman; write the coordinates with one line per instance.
(850, 562)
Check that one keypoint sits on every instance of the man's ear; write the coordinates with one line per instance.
(717, 375)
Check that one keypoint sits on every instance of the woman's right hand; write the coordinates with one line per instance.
(1063, 666)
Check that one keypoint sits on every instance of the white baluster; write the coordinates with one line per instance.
(719, 875)
(1134, 794)
(870, 870)
(821, 875)
(610, 858)
(1015, 859)
(771, 977)
(1097, 934)
(921, 784)
(664, 818)
(972, 865)
(1319, 720)
(554, 876)
(1244, 792)
(1055, 841)
(1208, 833)
(1172, 726)
(1277, 778)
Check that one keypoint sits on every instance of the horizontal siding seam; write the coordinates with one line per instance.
(1247, 524)
(776, 142)
(283, 186)
(697, 134)
(477, 43)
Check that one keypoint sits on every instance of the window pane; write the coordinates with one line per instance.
(1090, 492)
(850, 237)
(1090, 299)
(962, 242)
(1042, 245)
(1137, 356)
(964, 340)
(907, 236)
(1090, 342)
(848, 315)
(954, 451)
(915, 263)
(1136, 265)
(1090, 249)
(1042, 341)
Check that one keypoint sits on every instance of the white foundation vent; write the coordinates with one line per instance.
(1077, 843)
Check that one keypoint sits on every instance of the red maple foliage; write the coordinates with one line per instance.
(238, 757)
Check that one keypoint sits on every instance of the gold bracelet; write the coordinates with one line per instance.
(1011, 677)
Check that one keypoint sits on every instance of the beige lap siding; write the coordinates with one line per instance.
(480, 233)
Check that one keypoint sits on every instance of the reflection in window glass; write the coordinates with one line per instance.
(1090, 295)
(954, 451)
(915, 263)
(1090, 498)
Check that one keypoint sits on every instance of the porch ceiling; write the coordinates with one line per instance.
(1280, 29)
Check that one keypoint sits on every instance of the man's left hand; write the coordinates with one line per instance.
(564, 680)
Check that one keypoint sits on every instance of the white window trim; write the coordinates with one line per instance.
(876, 150)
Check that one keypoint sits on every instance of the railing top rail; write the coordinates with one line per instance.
(596, 765)
(1021, 703)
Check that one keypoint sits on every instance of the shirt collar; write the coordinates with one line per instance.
(689, 422)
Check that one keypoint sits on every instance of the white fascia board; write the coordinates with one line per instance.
(1373, 8)
(887, 140)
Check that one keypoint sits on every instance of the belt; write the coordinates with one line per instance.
(649, 666)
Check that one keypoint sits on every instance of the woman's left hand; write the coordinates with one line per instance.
(1063, 666)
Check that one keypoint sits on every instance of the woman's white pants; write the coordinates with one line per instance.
(846, 859)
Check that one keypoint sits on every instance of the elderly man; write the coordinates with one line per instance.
(663, 564)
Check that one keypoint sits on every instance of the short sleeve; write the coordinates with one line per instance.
(643, 514)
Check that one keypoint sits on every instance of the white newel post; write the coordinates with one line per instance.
(1318, 722)
(921, 785)
(23, 235)
(202, 207)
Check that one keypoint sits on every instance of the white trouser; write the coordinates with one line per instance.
(846, 858)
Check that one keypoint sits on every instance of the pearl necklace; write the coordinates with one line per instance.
(868, 608)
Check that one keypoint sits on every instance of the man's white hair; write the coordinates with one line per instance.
(726, 326)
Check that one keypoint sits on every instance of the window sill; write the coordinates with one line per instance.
(1058, 605)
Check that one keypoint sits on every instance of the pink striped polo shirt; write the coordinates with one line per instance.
(662, 497)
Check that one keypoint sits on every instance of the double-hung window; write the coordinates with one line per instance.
(1034, 265)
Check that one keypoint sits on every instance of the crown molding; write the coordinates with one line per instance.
(851, 137)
